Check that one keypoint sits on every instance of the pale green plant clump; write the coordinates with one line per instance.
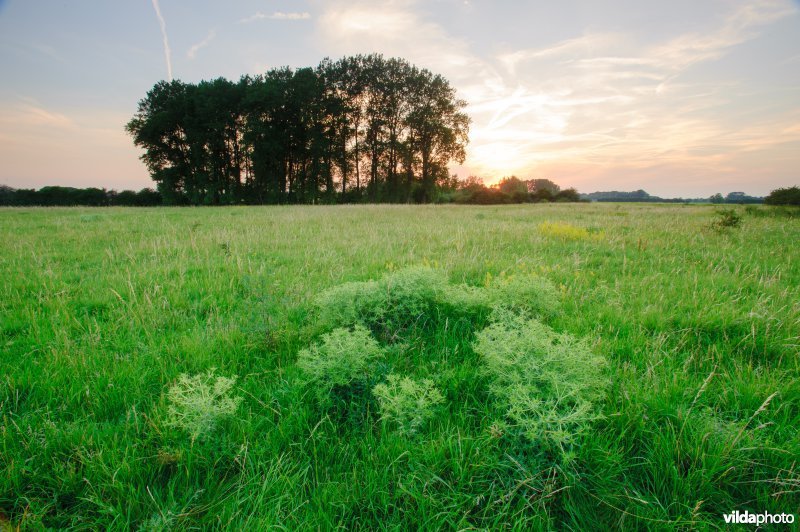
(410, 295)
(349, 303)
(407, 403)
(393, 302)
(529, 293)
(198, 404)
(549, 384)
(343, 357)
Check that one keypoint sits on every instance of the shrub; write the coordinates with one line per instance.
(349, 303)
(407, 403)
(411, 294)
(390, 304)
(199, 403)
(547, 383)
(530, 293)
(342, 360)
(727, 218)
(414, 295)
(784, 196)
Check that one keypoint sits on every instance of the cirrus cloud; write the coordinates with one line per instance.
(277, 15)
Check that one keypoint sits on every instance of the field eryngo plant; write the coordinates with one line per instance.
(406, 403)
(529, 293)
(548, 383)
(198, 404)
(389, 305)
(420, 296)
(344, 357)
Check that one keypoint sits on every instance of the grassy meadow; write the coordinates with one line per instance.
(102, 310)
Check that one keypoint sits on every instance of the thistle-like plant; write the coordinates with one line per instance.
(198, 403)
(343, 358)
(549, 384)
(420, 295)
(407, 403)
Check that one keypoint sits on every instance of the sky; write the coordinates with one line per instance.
(684, 98)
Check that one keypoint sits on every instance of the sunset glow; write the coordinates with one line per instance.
(678, 99)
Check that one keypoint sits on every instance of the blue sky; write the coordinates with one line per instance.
(681, 98)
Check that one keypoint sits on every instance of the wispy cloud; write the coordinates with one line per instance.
(163, 25)
(277, 15)
(192, 52)
(578, 108)
(86, 147)
(30, 113)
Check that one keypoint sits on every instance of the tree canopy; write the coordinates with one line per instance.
(57, 196)
(784, 196)
(362, 128)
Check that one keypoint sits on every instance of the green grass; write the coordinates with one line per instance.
(101, 310)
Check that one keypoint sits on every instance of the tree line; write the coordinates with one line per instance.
(508, 190)
(362, 128)
(452, 190)
(640, 196)
(784, 196)
(55, 196)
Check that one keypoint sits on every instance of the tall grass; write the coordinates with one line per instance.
(102, 311)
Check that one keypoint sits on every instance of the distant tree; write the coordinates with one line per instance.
(543, 195)
(742, 198)
(147, 197)
(7, 195)
(538, 185)
(568, 195)
(57, 196)
(362, 127)
(784, 196)
(733, 197)
(717, 198)
(614, 195)
(514, 189)
(125, 198)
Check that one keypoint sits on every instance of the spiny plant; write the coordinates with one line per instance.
(343, 359)
(406, 403)
(528, 293)
(198, 404)
(547, 383)
(419, 296)
(389, 305)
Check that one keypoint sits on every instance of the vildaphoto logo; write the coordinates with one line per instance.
(746, 518)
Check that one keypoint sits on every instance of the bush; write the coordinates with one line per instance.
(727, 218)
(418, 295)
(547, 383)
(529, 293)
(198, 404)
(389, 305)
(772, 211)
(784, 196)
(407, 403)
(349, 303)
(343, 360)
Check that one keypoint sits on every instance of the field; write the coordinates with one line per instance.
(102, 310)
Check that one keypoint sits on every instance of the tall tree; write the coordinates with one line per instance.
(359, 127)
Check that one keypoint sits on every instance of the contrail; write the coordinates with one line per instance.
(167, 53)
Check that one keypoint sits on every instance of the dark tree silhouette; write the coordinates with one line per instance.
(784, 196)
(360, 128)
